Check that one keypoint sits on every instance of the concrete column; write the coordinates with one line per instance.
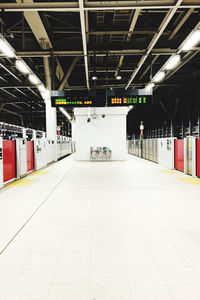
(51, 125)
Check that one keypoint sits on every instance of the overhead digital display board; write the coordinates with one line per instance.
(72, 101)
(129, 100)
(100, 98)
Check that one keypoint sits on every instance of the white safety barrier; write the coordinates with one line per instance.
(162, 151)
(166, 152)
(50, 151)
(190, 156)
(40, 153)
(21, 158)
(1, 163)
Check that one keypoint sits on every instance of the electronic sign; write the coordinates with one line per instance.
(100, 98)
(129, 100)
(72, 101)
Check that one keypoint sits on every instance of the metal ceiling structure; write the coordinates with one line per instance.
(73, 40)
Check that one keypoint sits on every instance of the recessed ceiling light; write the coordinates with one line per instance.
(94, 77)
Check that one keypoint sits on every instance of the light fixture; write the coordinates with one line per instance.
(150, 85)
(118, 77)
(172, 62)
(94, 77)
(21, 66)
(45, 95)
(159, 76)
(6, 49)
(191, 41)
(65, 113)
(41, 88)
(33, 79)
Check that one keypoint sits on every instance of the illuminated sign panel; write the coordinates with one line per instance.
(100, 98)
(72, 101)
(129, 100)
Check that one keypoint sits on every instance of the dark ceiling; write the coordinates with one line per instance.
(112, 40)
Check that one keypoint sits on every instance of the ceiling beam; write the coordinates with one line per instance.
(148, 67)
(99, 32)
(68, 73)
(97, 5)
(35, 23)
(182, 22)
(131, 28)
(156, 37)
(48, 53)
(10, 72)
(187, 57)
(83, 31)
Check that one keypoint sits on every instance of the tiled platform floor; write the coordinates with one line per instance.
(101, 231)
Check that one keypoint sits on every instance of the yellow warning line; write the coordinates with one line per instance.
(39, 172)
(170, 171)
(190, 180)
(21, 183)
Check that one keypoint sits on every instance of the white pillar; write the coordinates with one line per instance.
(23, 133)
(185, 156)
(34, 135)
(194, 157)
(51, 125)
(1, 163)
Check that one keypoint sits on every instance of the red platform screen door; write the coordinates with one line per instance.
(179, 155)
(198, 157)
(9, 167)
(30, 163)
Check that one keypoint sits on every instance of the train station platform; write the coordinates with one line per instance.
(100, 231)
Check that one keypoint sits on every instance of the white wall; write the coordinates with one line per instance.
(166, 152)
(100, 132)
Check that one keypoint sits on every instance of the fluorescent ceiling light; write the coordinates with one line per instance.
(159, 76)
(65, 113)
(118, 77)
(41, 88)
(172, 62)
(33, 79)
(6, 49)
(22, 67)
(45, 95)
(191, 41)
(150, 86)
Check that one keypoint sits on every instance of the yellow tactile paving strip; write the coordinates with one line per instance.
(40, 172)
(27, 181)
(190, 180)
(21, 183)
(170, 171)
(186, 179)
